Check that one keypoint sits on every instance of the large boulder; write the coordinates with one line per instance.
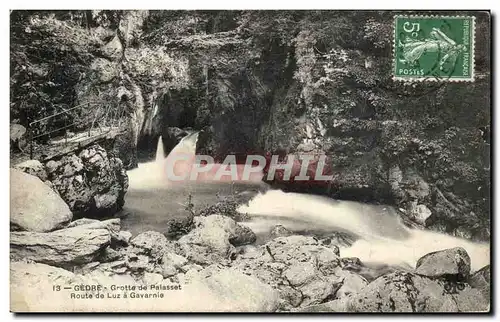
(34, 206)
(351, 284)
(214, 239)
(408, 292)
(152, 243)
(224, 291)
(244, 293)
(92, 183)
(418, 213)
(174, 260)
(112, 225)
(31, 282)
(482, 280)
(82, 222)
(300, 268)
(65, 247)
(448, 262)
(33, 167)
(279, 231)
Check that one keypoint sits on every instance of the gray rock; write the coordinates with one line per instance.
(124, 237)
(193, 267)
(175, 260)
(452, 261)
(338, 239)
(213, 239)
(340, 305)
(105, 201)
(462, 232)
(117, 266)
(168, 270)
(351, 284)
(300, 268)
(112, 225)
(51, 166)
(34, 206)
(300, 273)
(419, 213)
(73, 165)
(64, 247)
(482, 280)
(100, 32)
(351, 263)
(152, 278)
(138, 263)
(407, 292)
(29, 283)
(17, 131)
(317, 290)
(471, 300)
(280, 231)
(81, 222)
(109, 255)
(87, 268)
(91, 183)
(180, 225)
(247, 293)
(151, 242)
(33, 167)
(242, 235)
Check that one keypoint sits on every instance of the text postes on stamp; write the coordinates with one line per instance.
(435, 48)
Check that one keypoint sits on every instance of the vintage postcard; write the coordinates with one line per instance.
(250, 161)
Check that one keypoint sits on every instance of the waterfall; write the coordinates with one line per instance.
(383, 238)
(160, 154)
(153, 174)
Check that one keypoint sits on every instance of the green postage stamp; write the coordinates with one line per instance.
(434, 48)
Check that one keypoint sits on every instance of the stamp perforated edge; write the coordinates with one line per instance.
(434, 79)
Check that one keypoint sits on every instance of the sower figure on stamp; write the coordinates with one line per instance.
(438, 42)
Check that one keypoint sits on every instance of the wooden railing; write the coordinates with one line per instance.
(85, 120)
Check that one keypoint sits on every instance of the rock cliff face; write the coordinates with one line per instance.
(92, 183)
(325, 87)
(281, 82)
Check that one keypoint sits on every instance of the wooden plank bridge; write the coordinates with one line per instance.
(73, 128)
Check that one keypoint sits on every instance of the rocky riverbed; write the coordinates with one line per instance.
(215, 264)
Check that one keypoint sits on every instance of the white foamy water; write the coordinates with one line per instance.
(160, 153)
(382, 236)
(153, 174)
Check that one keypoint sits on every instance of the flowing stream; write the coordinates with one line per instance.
(381, 237)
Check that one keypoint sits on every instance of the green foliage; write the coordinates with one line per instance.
(177, 227)
(226, 206)
(49, 57)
